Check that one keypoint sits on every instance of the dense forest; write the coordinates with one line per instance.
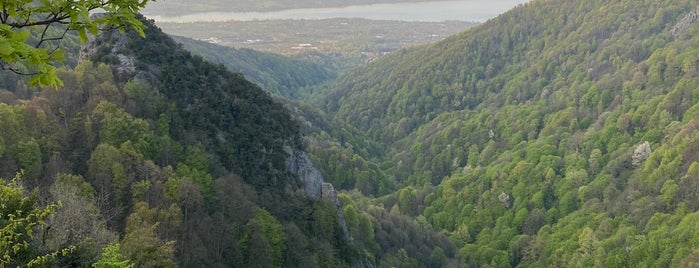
(559, 134)
(151, 157)
(283, 76)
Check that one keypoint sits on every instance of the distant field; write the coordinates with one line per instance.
(349, 37)
(182, 7)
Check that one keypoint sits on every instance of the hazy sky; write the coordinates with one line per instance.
(465, 10)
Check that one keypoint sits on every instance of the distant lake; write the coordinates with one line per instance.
(462, 10)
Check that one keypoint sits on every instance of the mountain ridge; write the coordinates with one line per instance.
(277, 74)
(487, 51)
(167, 160)
(560, 133)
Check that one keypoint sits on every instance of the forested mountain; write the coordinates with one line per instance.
(561, 133)
(149, 156)
(152, 157)
(280, 75)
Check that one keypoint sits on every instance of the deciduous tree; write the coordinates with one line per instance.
(19, 219)
(28, 27)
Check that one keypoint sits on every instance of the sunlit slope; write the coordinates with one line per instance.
(562, 133)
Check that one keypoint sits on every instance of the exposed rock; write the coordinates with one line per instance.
(329, 194)
(124, 65)
(685, 23)
(315, 188)
(299, 163)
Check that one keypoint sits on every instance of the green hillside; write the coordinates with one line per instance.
(562, 133)
(151, 157)
(280, 75)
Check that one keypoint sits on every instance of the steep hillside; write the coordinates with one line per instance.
(344, 155)
(515, 55)
(520, 58)
(562, 133)
(161, 159)
(238, 121)
(274, 73)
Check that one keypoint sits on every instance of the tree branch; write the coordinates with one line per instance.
(44, 39)
(39, 22)
(3, 17)
(15, 71)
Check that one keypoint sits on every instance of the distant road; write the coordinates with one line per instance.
(462, 10)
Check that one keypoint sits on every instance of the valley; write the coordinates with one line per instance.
(556, 134)
(175, 8)
(363, 31)
(352, 38)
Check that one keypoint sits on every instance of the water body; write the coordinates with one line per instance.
(463, 10)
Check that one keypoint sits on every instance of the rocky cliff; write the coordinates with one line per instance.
(299, 163)
(685, 23)
(243, 130)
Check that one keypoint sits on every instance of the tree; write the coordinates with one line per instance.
(28, 28)
(585, 255)
(641, 153)
(668, 192)
(141, 244)
(29, 156)
(263, 240)
(19, 219)
(77, 222)
(112, 258)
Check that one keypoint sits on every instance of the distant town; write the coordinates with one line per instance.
(368, 39)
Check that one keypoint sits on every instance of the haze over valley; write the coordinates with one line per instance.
(350, 29)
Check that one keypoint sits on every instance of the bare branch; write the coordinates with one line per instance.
(48, 39)
(38, 16)
(43, 35)
(29, 15)
(4, 15)
(15, 71)
(39, 22)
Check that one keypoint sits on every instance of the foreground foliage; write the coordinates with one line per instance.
(28, 28)
(20, 218)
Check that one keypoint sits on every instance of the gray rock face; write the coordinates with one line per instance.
(329, 194)
(125, 65)
(685, 22)
(315, 188)
(300, 164)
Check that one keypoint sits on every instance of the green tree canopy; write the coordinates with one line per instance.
(19, 219)
(112, 258)
(28, 27)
